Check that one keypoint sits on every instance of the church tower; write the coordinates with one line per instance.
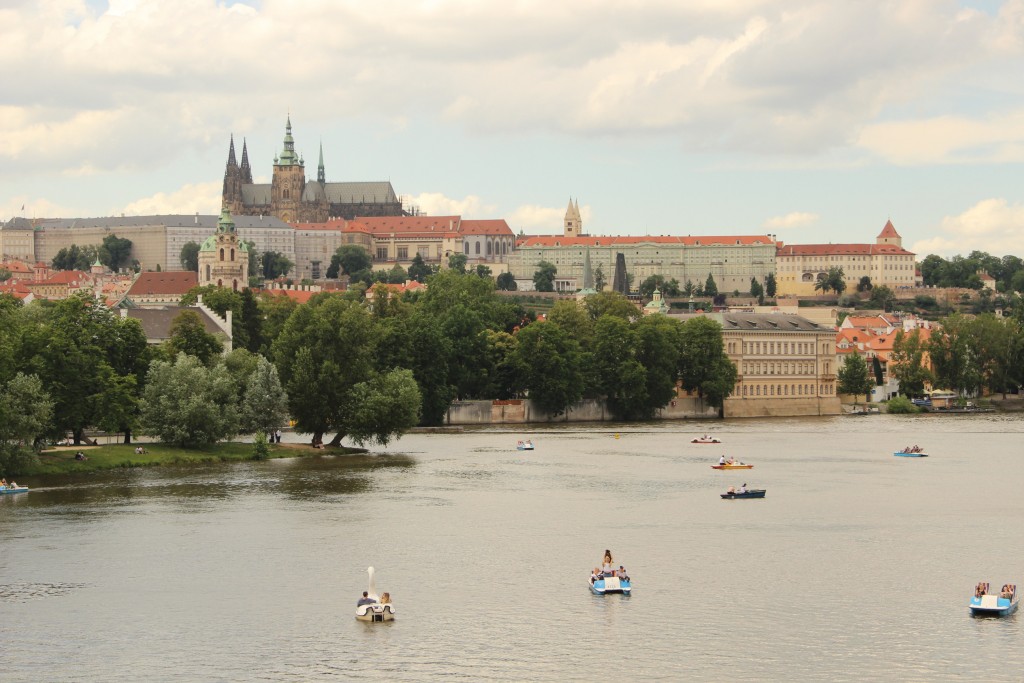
(232, 193)
(289, 180)
(223, 259)
(573, 223)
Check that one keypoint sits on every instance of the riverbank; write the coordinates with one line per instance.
(62, 460)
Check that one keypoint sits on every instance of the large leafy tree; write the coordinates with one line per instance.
(854, 378)
(264, 406)
(703, 365)
(658, 341)
(710, 288)
(415, 341)
(544, 277)
(506, 282)
(384, 407)
(325, 349)
(189, 256)
(997, 345)
(611, 303)
(666, 287)
(189, 405)
(457, 262)
(954, 355)
(189, 336)
(770, 285)
(26, 412)
(551, 358)
(349, 259)
(418, 270)
(221, 300)
(883, 297)
(116, 252)
(620, 377)
(275, 265)
(907, 363)
(75, 257)
(836, 279)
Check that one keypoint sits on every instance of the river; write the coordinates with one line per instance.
(856, 566)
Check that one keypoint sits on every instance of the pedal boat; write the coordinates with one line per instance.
(999, 604)
(733, 466)
(375, 611)
(524, 446)
(11, 490)
(606, 585)
(751, 493)
(908, 454)
(705, 439)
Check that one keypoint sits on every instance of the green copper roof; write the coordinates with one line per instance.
(288, 157)
(226, 223)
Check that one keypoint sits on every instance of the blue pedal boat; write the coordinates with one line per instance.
(910, 454)
(10, 490)
(998, 604)
(606, 585)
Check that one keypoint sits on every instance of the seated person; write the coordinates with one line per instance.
(979, 590)
(365, 600)
(622, 574)
(731, 489)
(721, 461)
(385, 598)
(743, 489)
(595, 575)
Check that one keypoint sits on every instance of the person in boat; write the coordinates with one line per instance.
(520, 443)
(743, 489)
(731, 489)
(607, 564)
(595, 575)
(529, 444)
(365, 600)
(980, 590)
(385, 598)
(721, 461)
(731, 461)
(621, 573)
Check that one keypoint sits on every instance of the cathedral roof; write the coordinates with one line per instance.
(496, 226)
(379, 192)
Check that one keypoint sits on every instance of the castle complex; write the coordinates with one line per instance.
(293, 199)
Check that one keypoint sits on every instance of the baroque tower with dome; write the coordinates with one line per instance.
(223, 259)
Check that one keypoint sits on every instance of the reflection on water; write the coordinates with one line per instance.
(857, 565)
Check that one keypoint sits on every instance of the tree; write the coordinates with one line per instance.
(349, 259)
(620, 377)
(264, 407)
(853, 377)
(657, 350)
(883, 297)
(710, 288)
(836, 279)
(483, 271)
(906, 363)
(689, 289)
(610, 303)
(188, 405)
(822, 284)
(26, 414)
(506, 282)
(864, 285)
(75, 257)
(600, 280)
(116, 252)
(996, 343)
(221, 300)
(189, 257)
(703, 365)
(666, 287)
(551, 358)
(953, 355)
(189, 336)
(384, 407)
(756, 289)
(457, 262)
(275, 265)
(325, 349)
(770, 286)
(418, 270)
(544, 277)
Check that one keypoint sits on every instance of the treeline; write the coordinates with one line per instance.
(964, 271)
(965, 354)
(367, 368)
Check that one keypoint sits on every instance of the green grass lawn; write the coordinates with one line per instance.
(124, 455)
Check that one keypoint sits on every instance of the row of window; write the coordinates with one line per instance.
(803, 368)
(786, 390)
(778, 348)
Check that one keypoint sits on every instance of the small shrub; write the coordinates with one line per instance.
(260, 447)
(901, 405)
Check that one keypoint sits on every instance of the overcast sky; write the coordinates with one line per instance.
(814, 120)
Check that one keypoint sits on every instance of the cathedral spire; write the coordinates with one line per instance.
(245, 168)
(231, 152)
(288, 157)
(321, 177)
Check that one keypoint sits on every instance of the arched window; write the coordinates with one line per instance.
(466, 245)
(477, 248)
(234, 285)
(222, 253)
(232, 255)
(207, 278)
(489, 245)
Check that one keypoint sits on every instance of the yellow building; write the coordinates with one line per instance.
(786, 364)
(886, 262)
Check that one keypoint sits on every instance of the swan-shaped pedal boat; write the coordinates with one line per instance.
(380, 609)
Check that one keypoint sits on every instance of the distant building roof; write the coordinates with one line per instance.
(164, 283)
(779, 322)
(888, 230)
(156, 322)
(841, 249)
(174, 220)
(605, 241)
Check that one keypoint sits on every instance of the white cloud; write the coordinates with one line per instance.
(533, 219)
(437, 204)
(794, 219)
(948, 139)
(992, 225)
(204, 198)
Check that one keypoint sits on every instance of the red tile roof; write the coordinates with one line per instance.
(336, 224)
(301, 296)
(842, 249)
(888, 230)
(604, 241)
(411, 225)
(496, 226)
(167, 282)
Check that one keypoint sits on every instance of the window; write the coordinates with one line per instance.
(382, 253)
(477, 248)
(403, 253)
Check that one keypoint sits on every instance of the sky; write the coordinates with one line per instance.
(813, 120)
